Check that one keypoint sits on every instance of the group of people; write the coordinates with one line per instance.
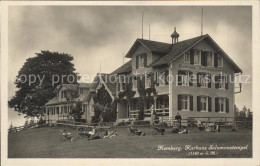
(208, 127)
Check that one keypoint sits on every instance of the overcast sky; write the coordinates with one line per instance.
(91, 34)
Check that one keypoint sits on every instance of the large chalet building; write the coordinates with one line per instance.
(194, 78)
(191, 77)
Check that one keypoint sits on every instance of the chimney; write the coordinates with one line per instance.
(175, 36)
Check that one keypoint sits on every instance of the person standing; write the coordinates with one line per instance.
(178, 118)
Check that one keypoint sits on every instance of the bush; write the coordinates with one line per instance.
(41, 121)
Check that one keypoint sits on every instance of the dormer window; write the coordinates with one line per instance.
(141, 60)
(210, 59)
(220, 61)
(187, 57)
(197, 57)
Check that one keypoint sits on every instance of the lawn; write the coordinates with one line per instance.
(45, 143)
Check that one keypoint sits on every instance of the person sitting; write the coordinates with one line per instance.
(110, 134)
(216, 128)
(185, 131)
(136, 131)
(93, 134)
(158, 129)
(66, 135)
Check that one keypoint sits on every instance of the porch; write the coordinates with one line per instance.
(159, 105)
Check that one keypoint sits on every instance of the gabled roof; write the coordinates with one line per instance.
(169, 52)
(125, 68)
(153, 46)
(177, 49)
(108, 80)
(84, 85)
(67, 86)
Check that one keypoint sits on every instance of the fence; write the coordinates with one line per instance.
(21, 128)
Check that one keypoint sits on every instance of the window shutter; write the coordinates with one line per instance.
(179, 78)
(198, 80)
(191, 102)
(145, 60)
(226, 82)
(216, 81)
(152, 79)
(179, 102)
(156, 79)
(130, 83)
(216, 105)
(215, 60)
(139, 83)
(209, 80)
(192, 56)
(190, 80)
(166, 77)
(143, 80)
(209, 104)
(227, 105)
(118, 84)
(137, 61)
(203, 58)
(198, 103)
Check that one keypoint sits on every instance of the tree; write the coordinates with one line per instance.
(77, 110)
(37, 80)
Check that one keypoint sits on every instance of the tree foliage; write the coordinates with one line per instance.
(31, 96)
(104, 107)
(77, 110)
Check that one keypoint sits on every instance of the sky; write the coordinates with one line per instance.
(96, 35)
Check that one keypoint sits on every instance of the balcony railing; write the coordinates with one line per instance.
(147, 112)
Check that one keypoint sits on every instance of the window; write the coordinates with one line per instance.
(134, 82)
(162, 78)
(187, 57)
(162, 102)
(204, 80)
(141, 60)
(221, 104)
(184, 78)
(221, 82)
(204, 103)
(148, 81)
(122, 82)
(210, 59)
(197, 57)
(220, 61)
(185, 102)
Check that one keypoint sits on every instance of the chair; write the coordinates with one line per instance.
(135, 131)
(130, 131)
(66, 136)
(158, 130)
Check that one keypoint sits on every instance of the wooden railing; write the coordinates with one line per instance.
(21, 128)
